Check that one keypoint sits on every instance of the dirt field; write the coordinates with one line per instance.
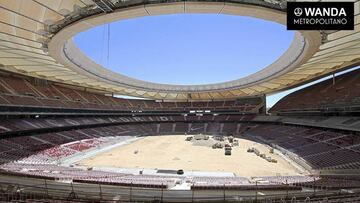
(173, 152)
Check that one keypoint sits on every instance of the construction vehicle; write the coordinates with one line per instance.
(228, 150)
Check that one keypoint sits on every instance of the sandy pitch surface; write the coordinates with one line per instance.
(173, 152)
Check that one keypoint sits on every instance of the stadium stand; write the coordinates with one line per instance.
(348, 123)
(31, 145)
(24, 155)
(35, 154)
(320, 148)
(13, 126)
(330, 183)
(341, 93)
(20, 91)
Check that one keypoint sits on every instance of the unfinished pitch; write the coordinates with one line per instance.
(173, 152)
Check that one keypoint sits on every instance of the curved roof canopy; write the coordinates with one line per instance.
(36, 40)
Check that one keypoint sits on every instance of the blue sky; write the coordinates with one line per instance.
(187, 48)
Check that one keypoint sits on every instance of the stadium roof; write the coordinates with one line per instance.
(36, 40)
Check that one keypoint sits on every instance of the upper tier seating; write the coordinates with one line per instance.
(345, 92)
(17, 91)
